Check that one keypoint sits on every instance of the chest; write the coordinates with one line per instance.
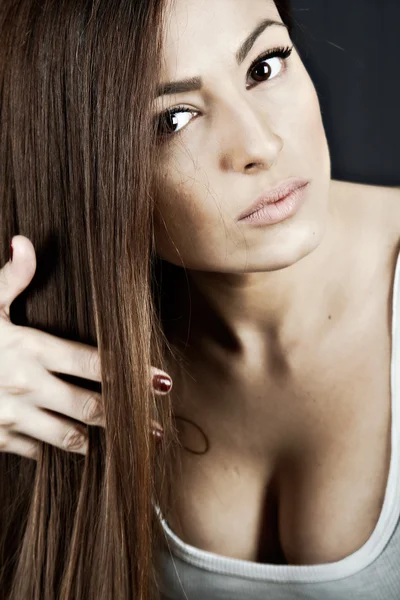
(298, 474)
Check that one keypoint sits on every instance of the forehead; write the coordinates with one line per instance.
(199, 32)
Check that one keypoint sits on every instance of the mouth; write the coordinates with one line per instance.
(274, 195)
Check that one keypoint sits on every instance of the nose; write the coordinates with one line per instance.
(248, 141)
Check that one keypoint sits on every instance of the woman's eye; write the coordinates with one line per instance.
(269, 65)
(170, 119)
(265, 67)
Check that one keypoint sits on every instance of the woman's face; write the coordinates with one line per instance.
(244, 132)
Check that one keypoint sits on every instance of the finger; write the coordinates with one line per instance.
(73, 401)
(57, 431)
(17, 274)
(58, 355)
(15, 443)
(70, 400)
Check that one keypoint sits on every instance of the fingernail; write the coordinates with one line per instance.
(157, 433)
(11, 250)
(162, 383)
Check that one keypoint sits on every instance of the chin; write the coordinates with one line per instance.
(281, 254)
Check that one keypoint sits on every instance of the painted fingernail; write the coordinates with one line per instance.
(11, 250)
(158, 433)
(162, 383)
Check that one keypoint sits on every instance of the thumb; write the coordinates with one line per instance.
(17, 273)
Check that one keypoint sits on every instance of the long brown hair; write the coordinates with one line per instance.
(78, 156)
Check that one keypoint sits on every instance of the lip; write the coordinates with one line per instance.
(274, 195)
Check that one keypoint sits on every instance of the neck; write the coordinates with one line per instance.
(242, 312)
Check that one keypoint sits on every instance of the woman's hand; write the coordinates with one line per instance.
(27, 386)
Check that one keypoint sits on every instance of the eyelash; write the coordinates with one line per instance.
(280, 52)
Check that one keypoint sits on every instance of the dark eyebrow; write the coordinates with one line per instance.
(194, 84)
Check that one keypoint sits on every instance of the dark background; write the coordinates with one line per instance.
(351, 49)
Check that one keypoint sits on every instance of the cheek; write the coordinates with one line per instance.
(186, 193)
(306, 125)
(176, 202)
(181, 216)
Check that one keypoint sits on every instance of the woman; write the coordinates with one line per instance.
(272, 478)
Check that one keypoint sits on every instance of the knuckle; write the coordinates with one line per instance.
(19, 383)
(94, 362)
(29, 339)
(74, 439)
(91, 409)
(4, 440)
(8, 414)
(32, 451)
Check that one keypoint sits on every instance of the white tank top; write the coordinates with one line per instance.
(371, 573)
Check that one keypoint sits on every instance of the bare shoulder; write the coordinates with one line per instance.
(374, 210)
(382, 205)
(385, 205)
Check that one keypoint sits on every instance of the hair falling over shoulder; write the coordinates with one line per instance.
(78, 155)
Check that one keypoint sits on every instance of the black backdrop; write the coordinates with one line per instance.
(351, 49)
